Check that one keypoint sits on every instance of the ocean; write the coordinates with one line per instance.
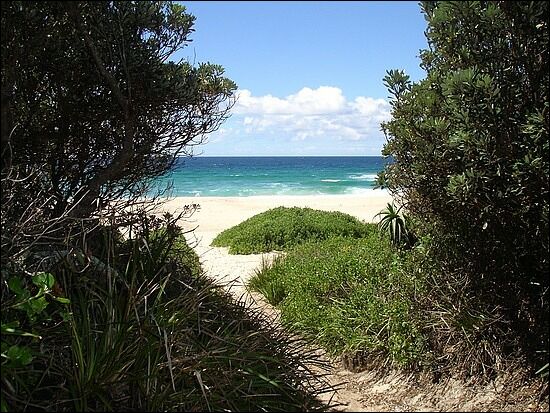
(293, 175)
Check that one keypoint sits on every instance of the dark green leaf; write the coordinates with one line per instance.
(19, 356)
(16, 285)
(44, 280)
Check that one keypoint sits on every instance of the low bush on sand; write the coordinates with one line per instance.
(281, 228)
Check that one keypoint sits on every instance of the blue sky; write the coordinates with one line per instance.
(309, 73)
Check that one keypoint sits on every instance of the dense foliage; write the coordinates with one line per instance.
(105, 307)
(93, 104)
(340, 283)
(139, 327)
(471, 161)
(352, 296)
(281, 228)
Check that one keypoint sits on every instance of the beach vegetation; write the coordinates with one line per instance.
(396, 225)
(281, 228)
(140, 327)
(104, 305)
(470, 151)
(92, 102)
(353, 297)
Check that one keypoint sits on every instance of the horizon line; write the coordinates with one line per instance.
(282, 156)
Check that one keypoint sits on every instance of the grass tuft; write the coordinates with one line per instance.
(146, 330)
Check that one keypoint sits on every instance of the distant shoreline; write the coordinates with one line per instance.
(281, 156)
(367, 193)
(219, 213)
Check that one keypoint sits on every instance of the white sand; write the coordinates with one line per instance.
(218, 213)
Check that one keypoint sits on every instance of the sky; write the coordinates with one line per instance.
(309, 74)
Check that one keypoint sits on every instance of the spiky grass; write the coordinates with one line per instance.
(146, 333)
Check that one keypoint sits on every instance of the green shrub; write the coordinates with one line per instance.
(281, 228)
(470, 152)
(349, 295)
(139, 329)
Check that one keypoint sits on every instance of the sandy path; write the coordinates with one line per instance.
(364, 391)
(218, 213)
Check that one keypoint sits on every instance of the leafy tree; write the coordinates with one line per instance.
(92, 103)
(471, 151)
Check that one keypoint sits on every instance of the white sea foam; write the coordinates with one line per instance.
(363, 177)
(330, 180)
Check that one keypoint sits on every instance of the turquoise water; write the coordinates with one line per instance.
(247, 176)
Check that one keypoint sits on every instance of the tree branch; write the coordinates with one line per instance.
(125, 154)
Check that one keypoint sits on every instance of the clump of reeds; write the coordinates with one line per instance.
(132, 324)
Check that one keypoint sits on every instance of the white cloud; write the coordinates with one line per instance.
(313, 113)
(322, 100)
(366, 106)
